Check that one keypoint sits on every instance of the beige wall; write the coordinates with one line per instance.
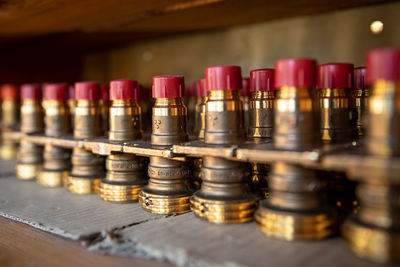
(340, 36)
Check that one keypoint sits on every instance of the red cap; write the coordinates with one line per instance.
(298, 72)
(335, 75)
(56, 91)
(71, 92)
(105, 92)
(123, 89)
(9, 92)
(262, 80)
(359, 78)
(245, 87)
(224, 78)
(168, 86)
(383, 64)
(201, 87)
(87, 91)
(31, 91)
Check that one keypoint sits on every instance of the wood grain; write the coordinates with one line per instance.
(21, 245)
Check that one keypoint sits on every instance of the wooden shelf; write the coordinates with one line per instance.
(92, 23)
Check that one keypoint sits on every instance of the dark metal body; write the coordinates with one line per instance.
(30, 156)
(56, 160)
(261, 123)
(224, 196)
(295, 208)
(10, 111)
(87, 168)
(126, 173)
(373, 232)
(169, 187)
(338, 125)
(360, 98)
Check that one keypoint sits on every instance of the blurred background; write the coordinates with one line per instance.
(48, 40)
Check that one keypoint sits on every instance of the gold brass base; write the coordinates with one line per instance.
(26, 171)
(83, 185)
(372, 243)
(8, 151)
(216, 211)
(164, 204)
(51, 178)
(119, 193)
(295, 225)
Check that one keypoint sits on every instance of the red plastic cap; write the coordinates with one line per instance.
(31, 92)
(224, 78)
(9, 92)
(335, 75)
(168, 86)
(105, 92)
(123, 89)
(245, 87)
(359, 78)
(383, 64)
(87, 91)
(298, 72)
(202, 88)
(262, 80)
(56, 91)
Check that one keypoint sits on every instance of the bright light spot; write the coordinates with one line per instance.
(376, 27)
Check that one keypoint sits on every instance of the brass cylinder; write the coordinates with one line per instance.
(10, 111)
(260, 130)
(373, 232)
(360, 97)
(87, 168)
(126, 173)
(338, 125)
(169, 187)
(338, 115)
(296, 207)
(56, 164)
(30, 156)
(224, 196)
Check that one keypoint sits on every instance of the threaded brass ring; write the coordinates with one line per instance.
(164, 204)
(51, 178)
(25, 171)
(119, 193)
(82, 185)
(238, 211)
(295, 225)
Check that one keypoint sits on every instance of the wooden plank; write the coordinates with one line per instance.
(109, 20)
(21, 245)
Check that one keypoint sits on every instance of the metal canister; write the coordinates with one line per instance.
(261, 123)
(225, 195)
(126, 173)
(373, 232)
(169, 187)
(87, 168)
(57, 123)
(338, 125)
(296, 207)
(338, 114)
(10, 112)
(30, 156)
(360, 95)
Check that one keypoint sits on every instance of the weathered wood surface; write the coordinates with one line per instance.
(126, 230)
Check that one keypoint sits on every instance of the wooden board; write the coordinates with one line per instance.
(33, 247)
